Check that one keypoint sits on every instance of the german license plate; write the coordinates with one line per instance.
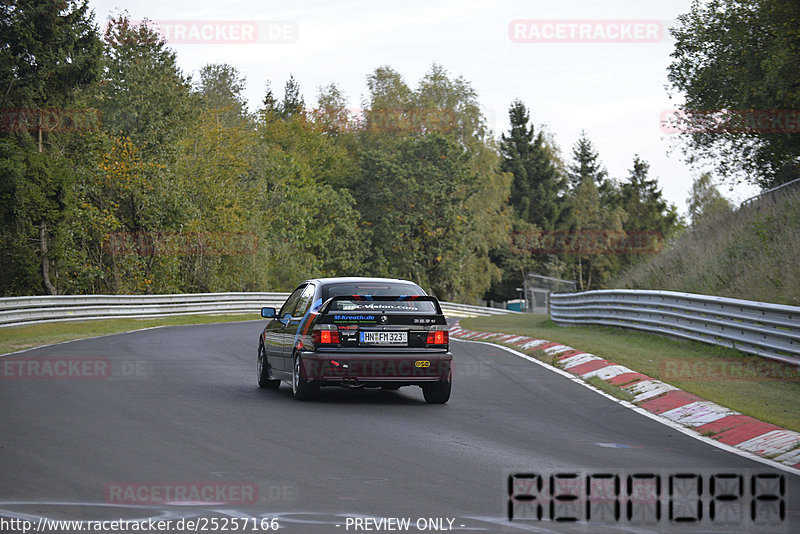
(383, 338)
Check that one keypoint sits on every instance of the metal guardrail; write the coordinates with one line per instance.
(770, 193)
(760, 328)
(15, 311)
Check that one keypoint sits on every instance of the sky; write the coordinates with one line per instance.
(598, 66)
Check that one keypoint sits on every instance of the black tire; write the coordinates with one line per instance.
(437, 392)
(264, 378)
(301, 389)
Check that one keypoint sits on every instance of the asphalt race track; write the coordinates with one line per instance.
(181, 407)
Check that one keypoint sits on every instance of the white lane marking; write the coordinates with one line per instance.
(698, 413)
(641, 411)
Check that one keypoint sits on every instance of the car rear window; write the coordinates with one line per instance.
(377, 289)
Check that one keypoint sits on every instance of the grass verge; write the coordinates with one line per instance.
(16, 338)
(754, 386)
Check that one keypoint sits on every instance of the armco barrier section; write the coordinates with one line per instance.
(15, 311)
(767, 330)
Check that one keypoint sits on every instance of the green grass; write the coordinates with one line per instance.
(16, 338)
(769, 391)
(749, 253)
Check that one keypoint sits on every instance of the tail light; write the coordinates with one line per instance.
(438, 335)
(325, 335)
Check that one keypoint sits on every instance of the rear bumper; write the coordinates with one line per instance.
(395, 368)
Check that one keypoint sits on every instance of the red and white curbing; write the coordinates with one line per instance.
(702, 416)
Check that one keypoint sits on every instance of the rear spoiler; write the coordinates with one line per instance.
(370, 298)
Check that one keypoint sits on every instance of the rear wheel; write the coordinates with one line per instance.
(264, 380)
(301, 390)
(437, 392)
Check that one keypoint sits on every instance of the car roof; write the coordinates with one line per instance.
(351, 279)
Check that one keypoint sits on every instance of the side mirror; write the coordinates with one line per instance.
(267, 313)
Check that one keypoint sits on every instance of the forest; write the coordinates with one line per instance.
(120, 174)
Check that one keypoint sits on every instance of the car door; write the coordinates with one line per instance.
(275, 334)
(302, 306)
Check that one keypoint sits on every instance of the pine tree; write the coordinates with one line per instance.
(293, 104)
(643, 201)
(537, 185)
(586, 164)
(269, 101)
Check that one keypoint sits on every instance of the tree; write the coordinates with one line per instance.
(596, 212)
(705, 199)
(148, 107)
(221, 87)
(415, 206)
(424, 148)
(642, 200)
(737, 63)
(144, 95)
(387, 90)
(592, 268)
(537, 188)
(304, 216)
(537, 197)
(213, 169)
(269, 102)
(293, 104)
(332, 114)
(586, 164)
(449, 106)
(49, 51)
(650, 219)
(37, 199)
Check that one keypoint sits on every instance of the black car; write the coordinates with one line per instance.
(357, 333)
